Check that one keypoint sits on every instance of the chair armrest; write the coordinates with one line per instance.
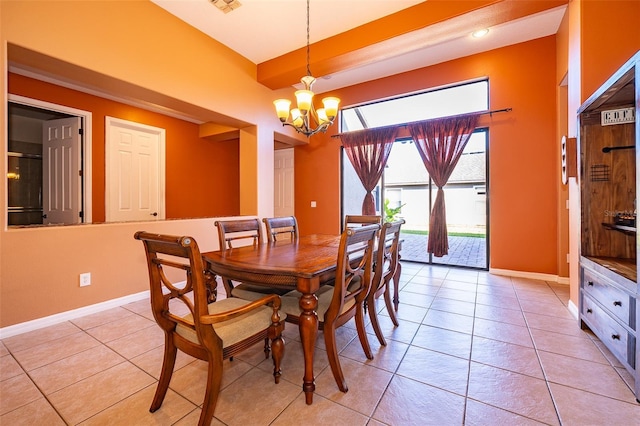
(227, 315)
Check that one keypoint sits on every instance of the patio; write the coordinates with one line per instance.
(463, 251)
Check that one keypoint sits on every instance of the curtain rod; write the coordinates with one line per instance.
(494, 111)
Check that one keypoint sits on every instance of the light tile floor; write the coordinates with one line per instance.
(472, 348)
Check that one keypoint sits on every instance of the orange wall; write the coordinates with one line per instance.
(192, 163)
(523, 154)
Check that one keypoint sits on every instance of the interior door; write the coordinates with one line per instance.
(61, 159)
(283, 182)
(135, 183)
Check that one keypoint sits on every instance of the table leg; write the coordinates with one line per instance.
(308, 334)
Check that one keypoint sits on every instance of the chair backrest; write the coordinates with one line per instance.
(354, 271)
(233, 232)
(278, 227)
(388, 252)
(175, 270)
(350, 220)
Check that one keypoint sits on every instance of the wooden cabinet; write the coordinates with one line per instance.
(608, 134)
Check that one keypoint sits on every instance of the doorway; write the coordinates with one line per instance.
(48, 163)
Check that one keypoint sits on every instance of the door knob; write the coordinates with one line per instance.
(154, 214)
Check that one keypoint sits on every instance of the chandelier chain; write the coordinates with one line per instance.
(308, 54)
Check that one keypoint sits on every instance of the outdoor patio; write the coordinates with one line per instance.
(463, 251)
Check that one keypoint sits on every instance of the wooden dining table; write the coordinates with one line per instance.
(297, 265)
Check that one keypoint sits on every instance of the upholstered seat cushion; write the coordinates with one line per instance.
(236, 329)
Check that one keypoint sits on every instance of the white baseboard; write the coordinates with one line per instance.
(24, 327)
(574, 310)
(530, 275)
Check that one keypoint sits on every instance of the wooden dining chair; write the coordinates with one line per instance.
(211, 332)
(237, 233)
(344, 300)
(351, 220)
(281, 227)
(386, 266)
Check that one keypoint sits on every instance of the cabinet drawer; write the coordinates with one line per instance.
(613, 299)
(609, 331)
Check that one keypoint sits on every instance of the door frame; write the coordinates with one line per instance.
(86, 146)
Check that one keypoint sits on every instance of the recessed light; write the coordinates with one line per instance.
(480, 33)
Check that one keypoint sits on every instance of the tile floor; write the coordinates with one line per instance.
(472, 348)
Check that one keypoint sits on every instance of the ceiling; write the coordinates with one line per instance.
(267, 31)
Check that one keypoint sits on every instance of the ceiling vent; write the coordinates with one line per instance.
(226, 5)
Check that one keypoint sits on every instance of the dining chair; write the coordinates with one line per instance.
(386, 266)
(236, 233)
(350, 220)
(339, 303)
(281, 226)
(211, 332)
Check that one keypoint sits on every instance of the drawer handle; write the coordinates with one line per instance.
(617, 303)
(615, 336)
(589, 311)
(590, 283)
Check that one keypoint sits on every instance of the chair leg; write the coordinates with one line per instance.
(277, 350)
(375, 324)
(332, 353)
(267, 348)
(362, 333)
(214, 381)
(387, 301)
(169, 361)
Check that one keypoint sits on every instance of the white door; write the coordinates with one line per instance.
(61, 156)
(135, 166)
(283, 182)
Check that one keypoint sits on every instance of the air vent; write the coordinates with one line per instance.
(226, 5)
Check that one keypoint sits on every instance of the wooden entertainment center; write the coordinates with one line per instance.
(608, 135)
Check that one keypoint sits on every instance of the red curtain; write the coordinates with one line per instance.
(368, 150)
(440, 143)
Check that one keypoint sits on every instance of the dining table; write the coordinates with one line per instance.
(302, 265)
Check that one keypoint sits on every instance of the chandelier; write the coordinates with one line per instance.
(305, 118)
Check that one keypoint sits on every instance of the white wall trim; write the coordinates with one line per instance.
(24, 327)
(573, 309)
(530, 275)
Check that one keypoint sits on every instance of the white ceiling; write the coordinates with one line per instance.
(264, 29)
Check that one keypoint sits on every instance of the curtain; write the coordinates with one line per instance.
(440, 143)
(368, 150)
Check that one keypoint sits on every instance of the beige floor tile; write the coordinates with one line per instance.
(496, 313)
(432, 272)
(193, 417)
(385, 357)
(321, 413)
(499, 300)
(581, 374)
(577, 347)
(553, 309)
(52, 351)
(254, 399)
(517, 393)
(506, 291)
(445, 341)
(403, 333)
(460, 282)
(554, 324)
(151, 361)
(138, 342)
(38, 412)
(436, 369)
(405, 312)
(17, 392)
(503, 332)
(134, 410)
(67, 371)
(88, 397)
(626, 377)
(479, 414)
(577, 407)
(365, 382)
(408, 402)
(140, 307)
(495, 280)
(9, 367)
(415, 299)
(420, 288)
(449, 321)
(101, 318)
(3, 349)
(462, 295)
(516, 358)
(606, 352)
(293, 363)
(120, 328)
(38, 337)
(454, 306)
(461, 275)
